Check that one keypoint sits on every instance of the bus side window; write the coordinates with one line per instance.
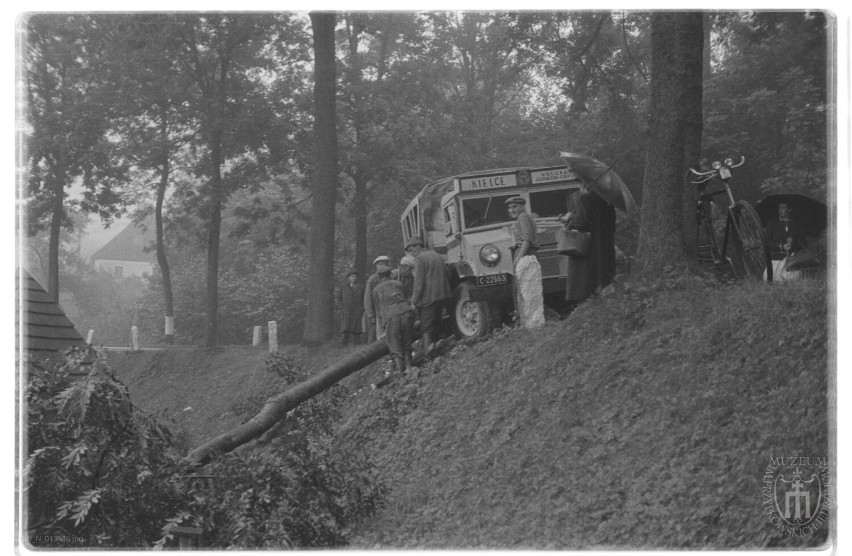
(448, 222)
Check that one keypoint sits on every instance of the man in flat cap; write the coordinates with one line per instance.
(350, 298)
(431, 290)
(529, 296)
(371, 312)
(397, 318)
(405, 274)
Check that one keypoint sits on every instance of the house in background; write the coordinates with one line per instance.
(44, 329)
(127, 254)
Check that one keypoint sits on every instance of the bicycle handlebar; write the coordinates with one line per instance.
(707, 176)
(742, 161)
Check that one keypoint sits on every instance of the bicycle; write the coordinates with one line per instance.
(743, 229)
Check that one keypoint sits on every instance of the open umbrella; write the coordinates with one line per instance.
(601, 179)
(810, 213)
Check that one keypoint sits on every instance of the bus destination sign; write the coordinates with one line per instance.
(552, 175)
(488, 182)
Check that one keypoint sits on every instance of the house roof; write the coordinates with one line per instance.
(130, 244)
(43, 323)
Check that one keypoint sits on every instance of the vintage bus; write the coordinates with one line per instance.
(464, 218)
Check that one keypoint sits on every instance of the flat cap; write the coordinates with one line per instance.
(407, 260)
(516, 201)
(382, 259)
(415, 240)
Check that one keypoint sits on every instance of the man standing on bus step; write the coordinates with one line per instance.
(371, 312)
(529, 296)
(431, 290)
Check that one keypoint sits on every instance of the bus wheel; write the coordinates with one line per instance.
(472, 319)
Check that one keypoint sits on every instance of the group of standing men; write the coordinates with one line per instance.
(393, 301)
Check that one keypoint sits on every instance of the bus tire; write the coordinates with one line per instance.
(472, 319)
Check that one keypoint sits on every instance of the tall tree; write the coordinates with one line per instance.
(159, 127)
(228, 57)
(676, 44)
(318, 326)
(69, 84)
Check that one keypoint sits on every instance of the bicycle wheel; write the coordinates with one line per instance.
(749, 243)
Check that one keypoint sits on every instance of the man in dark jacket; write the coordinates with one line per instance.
(398, 319)
(350, 298)
(431, 290)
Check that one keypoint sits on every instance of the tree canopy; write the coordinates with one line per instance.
(208, 119)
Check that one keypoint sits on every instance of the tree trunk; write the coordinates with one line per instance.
(53, 245)
(661, 239)
(277, 407)
(359, 208)
(162, 260)
(693, 43)
(212, 305)
(318, 324)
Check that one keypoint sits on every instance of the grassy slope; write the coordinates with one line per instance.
(644, 420)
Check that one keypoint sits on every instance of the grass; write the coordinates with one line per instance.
(644, 420)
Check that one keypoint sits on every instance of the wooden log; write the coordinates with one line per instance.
(277, 407)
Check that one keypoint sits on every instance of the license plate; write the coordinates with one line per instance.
(491, 280)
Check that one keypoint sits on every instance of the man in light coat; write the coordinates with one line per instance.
(529, 298)
(371, 312)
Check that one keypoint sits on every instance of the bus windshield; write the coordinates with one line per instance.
(481, 211)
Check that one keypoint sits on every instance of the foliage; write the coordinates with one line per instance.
(257, 285)
(300, 490)
(771, 108)
(97, 467)
(100, 469)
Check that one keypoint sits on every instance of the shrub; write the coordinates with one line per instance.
(98, 469)
(298, 491)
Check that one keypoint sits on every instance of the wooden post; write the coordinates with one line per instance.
(256, 336)
(273, 336)
(170, 326)
(89, 337)
(134, 338)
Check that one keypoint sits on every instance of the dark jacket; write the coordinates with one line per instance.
(369, 309)
(390, 299)
(594, 215)
(777, 233)
(431, 279)
(351, 300)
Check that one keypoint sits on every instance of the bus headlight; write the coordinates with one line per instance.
(489, 254)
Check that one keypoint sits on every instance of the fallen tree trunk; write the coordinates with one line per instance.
(276, 407)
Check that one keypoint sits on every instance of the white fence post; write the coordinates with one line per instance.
(273, 336)
(89, 337)
(134, 338)
(170, 326)
(256, 335)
